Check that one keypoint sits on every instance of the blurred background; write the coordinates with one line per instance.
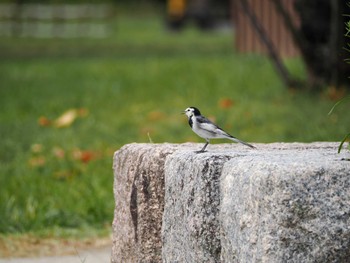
(79, 79)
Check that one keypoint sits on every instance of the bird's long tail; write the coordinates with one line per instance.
(242, 142)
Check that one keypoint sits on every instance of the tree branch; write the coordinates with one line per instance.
(288, 22)
(281, 69)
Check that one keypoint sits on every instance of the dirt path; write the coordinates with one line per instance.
(99, 255)
(31, 249)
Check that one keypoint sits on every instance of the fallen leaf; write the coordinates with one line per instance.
(83, 112)
(87, 156)
(43, 121)
(58, 152)
(84, 156)
(66, 119)
(335, 93)
(225, 103)
(76, 154)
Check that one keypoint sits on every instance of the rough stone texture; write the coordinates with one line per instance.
(139, 197)
(288, 203)
(191, 227)
(279, 203)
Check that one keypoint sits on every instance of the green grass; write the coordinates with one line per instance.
(134, 85)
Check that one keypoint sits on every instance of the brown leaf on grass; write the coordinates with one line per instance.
(83, 112)
(58, 152)
(334, 93)
(225, 103)
(43, 121)
(66, 119)
(87, 156)
(84, 156)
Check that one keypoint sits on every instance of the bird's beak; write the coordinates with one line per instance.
(183, 112)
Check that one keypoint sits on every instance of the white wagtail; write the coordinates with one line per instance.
(206, 129)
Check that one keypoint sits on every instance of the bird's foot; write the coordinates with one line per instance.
(201, 151)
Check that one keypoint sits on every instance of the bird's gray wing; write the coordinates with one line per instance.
(216, 131)
(209, 126)
(202, 119)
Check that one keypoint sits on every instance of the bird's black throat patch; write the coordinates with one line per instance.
(190, 122)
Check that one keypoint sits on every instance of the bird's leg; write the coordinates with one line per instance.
(203, 149)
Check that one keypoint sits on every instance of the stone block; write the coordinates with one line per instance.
(284, 202)
(139, 202)
(288, 203)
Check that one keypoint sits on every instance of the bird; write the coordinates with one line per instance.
(208, 130)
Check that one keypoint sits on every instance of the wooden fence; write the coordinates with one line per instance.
(246, 38)
(55, 20)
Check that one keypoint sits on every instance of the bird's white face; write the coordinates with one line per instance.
(189, 112)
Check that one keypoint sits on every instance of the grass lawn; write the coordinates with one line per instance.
(130, 87)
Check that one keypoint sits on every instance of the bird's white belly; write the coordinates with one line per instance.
(207, 133)
(203, 134)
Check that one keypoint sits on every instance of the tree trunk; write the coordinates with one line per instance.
(321, 40)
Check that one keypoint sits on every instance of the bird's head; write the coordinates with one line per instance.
(192, 111)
